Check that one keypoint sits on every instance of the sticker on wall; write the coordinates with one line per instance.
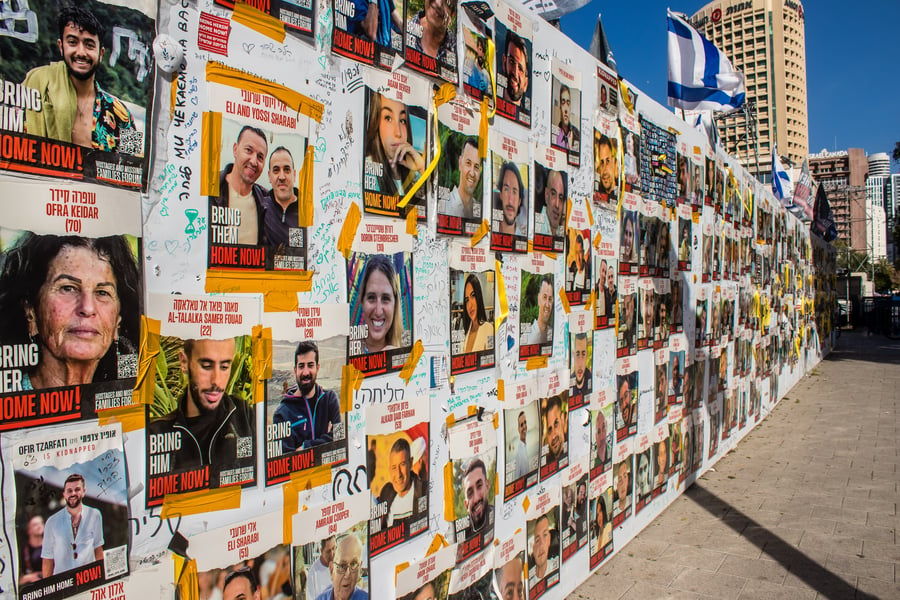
(536, 311)
(510, 200)
(565, 111)
(460, 172)
(551, 197)
(521, 438)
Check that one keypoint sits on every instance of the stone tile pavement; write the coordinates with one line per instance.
(804, 507)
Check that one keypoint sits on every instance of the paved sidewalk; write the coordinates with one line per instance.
(805, 507)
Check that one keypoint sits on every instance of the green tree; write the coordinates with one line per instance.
(848, 259)
(886, 277)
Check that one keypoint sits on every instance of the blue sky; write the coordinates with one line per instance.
(853, 82)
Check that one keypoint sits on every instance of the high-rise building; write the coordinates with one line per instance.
(879, 164)
(876, 230)
(843, 174)
(765, 40)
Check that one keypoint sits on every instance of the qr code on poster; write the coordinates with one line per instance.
(245, 447)
(295, 237)
(131, 141)
(127, 365)
(115, 562)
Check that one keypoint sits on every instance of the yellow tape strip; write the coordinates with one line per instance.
(210, 151)
(590, 214)
(449, 513)
(443, 94)
(590, 300)
(565, 300)
(568, 212)
(412, 221)
(436, 544)
(261, 352)
(597, 239)
(300, 482)
(525, 504)
(348, 230)
(258, 21)
(149, 352)
(451, 420)
(409, 366)
(402, 566)
(305, 209)
(201, 501)
(483, 126)
(279, 288)
(219, 73)
(173, 95)
(496, 421)
(131, 417)
(351, 381)
(501, 293)
(186, 579)
(501, 390)
(536, 362)
(480, 233)
(489, 59)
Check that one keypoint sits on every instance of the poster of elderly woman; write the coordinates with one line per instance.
(71, 304)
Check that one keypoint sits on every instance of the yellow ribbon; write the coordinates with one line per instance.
(444, 94)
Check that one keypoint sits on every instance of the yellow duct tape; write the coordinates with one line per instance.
(409, 366)
(348, 230)
(536, 362)
(131, 417)
(146, 378)
(412, 221)
(186, 579)
(201, 501)
(300, 481)
(351, 381)
(449, 513)
(501, 293)
(210, 151)
(261, 353)
(443, 94)
(479, 233)
(305, 210)
(565, 300)
(279, 288)
(258, 21)
(219, 73)
(501, 390)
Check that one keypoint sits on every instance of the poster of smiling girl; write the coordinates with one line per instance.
(395, 142)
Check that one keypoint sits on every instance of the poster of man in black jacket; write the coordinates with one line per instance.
(208, 440)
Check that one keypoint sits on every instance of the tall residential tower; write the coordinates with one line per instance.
(765, 40)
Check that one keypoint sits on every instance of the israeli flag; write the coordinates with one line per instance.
(781, 181)
(700, 75)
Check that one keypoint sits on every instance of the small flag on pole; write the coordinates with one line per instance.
(781, 181)
(700, 75)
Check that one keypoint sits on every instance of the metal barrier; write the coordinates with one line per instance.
(881, 315)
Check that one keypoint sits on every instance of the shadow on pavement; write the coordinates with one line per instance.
(857, 345)
(828, 584)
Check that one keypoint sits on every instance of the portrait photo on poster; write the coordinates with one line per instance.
(602, 438)
(471, 320)
(370, 32)
(565, 113)
(536, 314)
(431, 27)
(554, 434)
(550, 206)
(574, 524)
(473, 502)
(606, 168)
(331, 560)
(254, 220)
(510, 202)
(305, 426)
(395, 145)
(522, 442)
(601, 529)
(70, 330)
(379, 290)
(460, 173)
(544, 554)
(399, 485)
(513, 68)
(69, 512)
(476, 78)
(60, 59)
(201, 425)
(298, 16)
